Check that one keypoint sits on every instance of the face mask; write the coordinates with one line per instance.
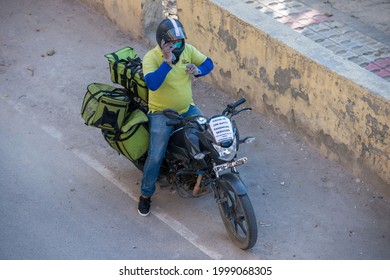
(177, 44)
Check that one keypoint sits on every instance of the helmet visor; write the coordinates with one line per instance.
(175, 34)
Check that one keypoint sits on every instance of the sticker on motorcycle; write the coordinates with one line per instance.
(222, 129)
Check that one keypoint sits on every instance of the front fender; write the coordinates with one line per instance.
(233, 182)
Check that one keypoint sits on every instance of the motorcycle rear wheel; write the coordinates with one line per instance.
(238, 217)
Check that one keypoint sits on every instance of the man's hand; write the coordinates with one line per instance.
(167, 52)
(192, 69)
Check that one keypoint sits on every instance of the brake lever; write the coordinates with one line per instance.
(239, 111)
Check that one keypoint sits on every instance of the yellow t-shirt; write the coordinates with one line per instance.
(176, 90)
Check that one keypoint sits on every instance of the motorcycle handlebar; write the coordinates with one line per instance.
(230, 108)
(237, 103)
(177, 120)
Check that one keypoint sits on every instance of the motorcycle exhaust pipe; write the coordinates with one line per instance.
(196, 190)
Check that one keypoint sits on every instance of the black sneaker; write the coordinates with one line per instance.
(144, 206)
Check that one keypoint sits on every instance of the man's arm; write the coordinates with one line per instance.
(206, 67)
(155, 79)
(202, 69)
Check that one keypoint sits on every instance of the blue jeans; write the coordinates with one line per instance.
(158, 143)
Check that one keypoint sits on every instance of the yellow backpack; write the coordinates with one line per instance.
(105, 106)
(126, 70)
(132, 140)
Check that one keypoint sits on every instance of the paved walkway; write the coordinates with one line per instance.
(344, 39)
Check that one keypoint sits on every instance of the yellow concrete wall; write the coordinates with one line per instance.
(346, 121)
(338, 107)
(135, 17)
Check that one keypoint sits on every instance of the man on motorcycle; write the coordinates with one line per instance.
(167, 69)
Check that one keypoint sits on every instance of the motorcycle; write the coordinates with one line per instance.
(202, 157)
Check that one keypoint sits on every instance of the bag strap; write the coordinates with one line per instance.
(93, 95)
(115, 66)
(105, 118)
(131, 134)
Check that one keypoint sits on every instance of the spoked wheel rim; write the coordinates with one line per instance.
(238, 218)
(234, 215)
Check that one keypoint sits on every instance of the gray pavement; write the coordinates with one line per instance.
(66, 195)
(55, 206)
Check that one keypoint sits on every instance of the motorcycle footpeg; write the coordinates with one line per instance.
(163, 183)
(165, 186)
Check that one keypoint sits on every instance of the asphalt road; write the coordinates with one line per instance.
(54, 205)
(66, 195)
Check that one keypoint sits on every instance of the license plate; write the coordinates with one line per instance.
(222, 167)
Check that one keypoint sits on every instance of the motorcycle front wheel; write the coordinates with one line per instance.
(237, 215)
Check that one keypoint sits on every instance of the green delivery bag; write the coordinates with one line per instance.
(132, 140)
(126, 70)
(105, 106)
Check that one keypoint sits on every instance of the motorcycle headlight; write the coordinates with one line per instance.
(226, 153)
